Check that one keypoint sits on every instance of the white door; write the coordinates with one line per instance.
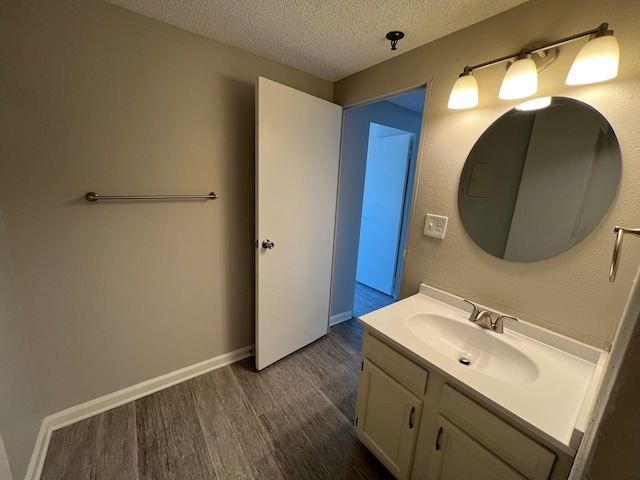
(382, 207)
(297, 156)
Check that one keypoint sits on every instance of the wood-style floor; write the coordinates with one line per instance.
(368, 299)
(292, 420)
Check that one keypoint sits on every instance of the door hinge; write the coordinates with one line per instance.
(356, 422)
(361, 366)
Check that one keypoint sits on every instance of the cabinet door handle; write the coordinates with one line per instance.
(438, 439)
(413, 410)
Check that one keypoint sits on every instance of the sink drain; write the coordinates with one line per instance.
(464, 361)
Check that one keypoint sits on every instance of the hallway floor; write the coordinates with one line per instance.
(368, 299)
(292, 420)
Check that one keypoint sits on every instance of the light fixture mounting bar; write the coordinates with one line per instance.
(602, 29)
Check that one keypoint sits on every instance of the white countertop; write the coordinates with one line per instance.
(555, 406)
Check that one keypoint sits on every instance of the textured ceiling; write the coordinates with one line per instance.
(330, 39)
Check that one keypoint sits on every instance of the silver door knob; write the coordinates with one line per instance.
(268, 244)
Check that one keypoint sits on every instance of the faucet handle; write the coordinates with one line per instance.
(498, 325)
(475, 312)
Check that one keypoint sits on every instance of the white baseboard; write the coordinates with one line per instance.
(126, 395)
(340, 317)
(112, 400)
(39, 452)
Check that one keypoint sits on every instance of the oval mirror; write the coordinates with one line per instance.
(537, 182)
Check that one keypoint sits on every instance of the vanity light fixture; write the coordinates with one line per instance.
(596, 62)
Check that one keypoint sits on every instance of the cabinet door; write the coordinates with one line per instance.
(457, 456)
(517, 449)
(387, 419)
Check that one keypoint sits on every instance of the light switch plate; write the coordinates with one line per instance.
(435, 225)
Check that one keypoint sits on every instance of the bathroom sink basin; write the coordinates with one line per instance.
(474, 347)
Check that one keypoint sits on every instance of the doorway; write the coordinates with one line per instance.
(377, 171)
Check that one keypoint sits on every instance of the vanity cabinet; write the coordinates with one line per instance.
(420, 425)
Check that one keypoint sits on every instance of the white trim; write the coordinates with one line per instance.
(112, 400)
(340, 317)
(129, 394)
(39, 452)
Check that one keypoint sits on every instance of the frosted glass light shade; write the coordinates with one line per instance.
(521, 80)
(464, 93)
(596, 62)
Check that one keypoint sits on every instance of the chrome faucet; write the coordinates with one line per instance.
(484, 319)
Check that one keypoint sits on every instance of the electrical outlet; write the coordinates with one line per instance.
(435, 225)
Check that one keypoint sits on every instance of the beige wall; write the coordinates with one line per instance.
(569, 293)
(98, 98)
(21, 410)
